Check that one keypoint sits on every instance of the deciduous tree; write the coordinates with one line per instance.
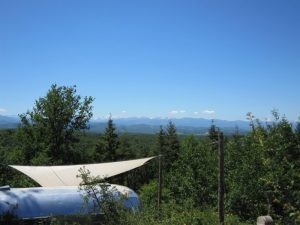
(47, 132)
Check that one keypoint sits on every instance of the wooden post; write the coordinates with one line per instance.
(221, 183)
(269, 199)
(159, 183)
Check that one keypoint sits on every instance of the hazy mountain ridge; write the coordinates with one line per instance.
(146, 125)
(9, 122)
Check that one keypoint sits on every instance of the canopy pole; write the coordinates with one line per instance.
(221, 182)
(159, 183)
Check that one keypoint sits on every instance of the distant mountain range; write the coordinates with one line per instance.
(9, 122)
(198, 126)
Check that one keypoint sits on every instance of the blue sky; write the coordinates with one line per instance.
(154, 58)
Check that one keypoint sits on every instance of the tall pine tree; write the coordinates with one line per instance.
(106, 149)
(172, 146)
(213, 132)
(161, 141)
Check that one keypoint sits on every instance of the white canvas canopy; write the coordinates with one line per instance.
(53, 176)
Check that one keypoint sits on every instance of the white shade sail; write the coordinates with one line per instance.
(53, 176)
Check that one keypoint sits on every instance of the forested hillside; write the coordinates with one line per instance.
(262, 167)
(142, 125)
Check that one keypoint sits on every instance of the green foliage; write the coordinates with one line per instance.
(172, 213)
(9, 218)
(106, 149)
(176, 215)
(124, 151)
(49, 129)
(263, 171)
(172, 147)
(244, 168)
(213, 132)
(148, 195)
(262, 168)
(161, 142)
(10, 154)
(74, 220)
(193, 177)
(103, 197)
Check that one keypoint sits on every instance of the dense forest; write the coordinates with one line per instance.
(262, 167)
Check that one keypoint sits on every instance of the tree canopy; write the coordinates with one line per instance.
(47, 131)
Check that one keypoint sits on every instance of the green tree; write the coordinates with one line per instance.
(297, 131)
(244, 169)
(172, 146)
(47, 133)
(263, 171)
(213, 132)
(193, 178)
(106, 149)
(161, 142)
(124, 150)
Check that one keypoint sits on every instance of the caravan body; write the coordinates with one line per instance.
(40, 202)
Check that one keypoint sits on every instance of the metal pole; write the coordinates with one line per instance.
(159, 182)
(221, 178)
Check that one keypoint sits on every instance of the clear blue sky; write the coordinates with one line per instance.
(155, 58)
